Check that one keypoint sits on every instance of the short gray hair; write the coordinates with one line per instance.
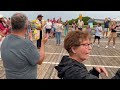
(19, 21)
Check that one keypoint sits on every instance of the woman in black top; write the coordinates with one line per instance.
(113, 33)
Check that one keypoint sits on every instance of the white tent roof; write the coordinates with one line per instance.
(116, 19)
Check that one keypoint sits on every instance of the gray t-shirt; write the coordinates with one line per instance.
(20, 58)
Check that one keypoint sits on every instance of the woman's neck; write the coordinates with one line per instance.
(75, 58)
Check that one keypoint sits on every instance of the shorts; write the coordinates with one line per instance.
(97, 37)
(106, 29)
(113, 34)
(48, 30)
(79, 28)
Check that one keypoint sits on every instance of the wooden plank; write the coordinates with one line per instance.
(52, 66)
(42, 66)
(47, 71)
(48, 65)
(50, 49)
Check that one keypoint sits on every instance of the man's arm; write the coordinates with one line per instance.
(42, 50)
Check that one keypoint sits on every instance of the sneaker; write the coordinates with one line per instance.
(113, 46)
(106, 46)
(98, 45)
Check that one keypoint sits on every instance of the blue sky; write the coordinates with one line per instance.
(65, 15)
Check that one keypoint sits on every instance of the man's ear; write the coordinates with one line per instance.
(26, 26)
(73, 49)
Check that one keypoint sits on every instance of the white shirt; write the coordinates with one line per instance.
(48, 25)
(97, 32)
(80, 23)
(55, 25)
(59, 27)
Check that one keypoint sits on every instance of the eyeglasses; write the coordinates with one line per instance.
(86, 45)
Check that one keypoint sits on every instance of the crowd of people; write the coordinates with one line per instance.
(21, 57)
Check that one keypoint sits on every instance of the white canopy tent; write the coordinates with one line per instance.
(116, 19)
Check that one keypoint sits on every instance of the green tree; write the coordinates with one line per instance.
(85, 19)
(71, 21)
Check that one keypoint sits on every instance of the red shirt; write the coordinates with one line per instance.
(2, 28)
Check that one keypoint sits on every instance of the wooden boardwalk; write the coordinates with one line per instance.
(108, 58)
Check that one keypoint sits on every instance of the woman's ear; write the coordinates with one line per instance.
(73, 50)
